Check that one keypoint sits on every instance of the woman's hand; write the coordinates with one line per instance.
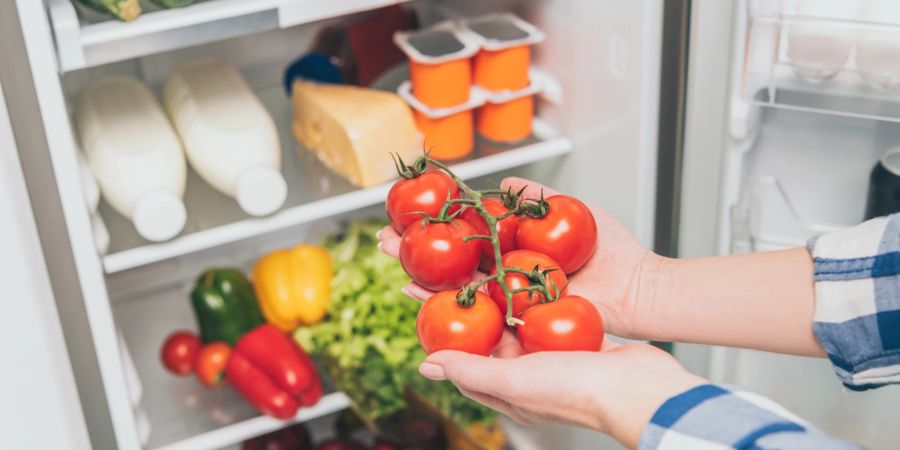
(617, 279)
(615, 391)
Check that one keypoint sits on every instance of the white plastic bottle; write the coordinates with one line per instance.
(134, 154)
(229, 137)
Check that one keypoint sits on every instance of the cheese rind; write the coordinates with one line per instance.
(353, 130)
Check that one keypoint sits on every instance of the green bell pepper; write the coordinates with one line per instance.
(224, 305)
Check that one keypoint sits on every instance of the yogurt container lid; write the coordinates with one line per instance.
(476, 99)
(500, 31)
(535, 80)
(891, 161)
(437, 44)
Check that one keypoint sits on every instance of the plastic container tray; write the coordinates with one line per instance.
(439, 63)
(505, 41)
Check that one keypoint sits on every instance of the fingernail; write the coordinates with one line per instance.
(379, 246)
(432, 371)
(378, 234)
(405, 292)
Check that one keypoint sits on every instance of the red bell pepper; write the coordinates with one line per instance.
(273, 373)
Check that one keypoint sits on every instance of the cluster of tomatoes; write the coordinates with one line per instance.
(182, 354)
(446, 240)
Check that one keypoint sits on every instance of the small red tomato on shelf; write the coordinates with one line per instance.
(436, 255)
(571, 323)
(444, 324)
(270, 370)
(526, 260)
(568, 233)
(506, 230)
(211, 362)
(179, 352)
(424, 192)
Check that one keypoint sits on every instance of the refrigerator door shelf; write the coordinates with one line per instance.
(85, 38)
(809, 61)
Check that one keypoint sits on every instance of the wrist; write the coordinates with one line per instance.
(648, 296)
(626, 420)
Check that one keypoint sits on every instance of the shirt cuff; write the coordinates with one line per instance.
(713, 417)
(857, 311)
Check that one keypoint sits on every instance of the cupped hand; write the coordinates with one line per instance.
(618, 279)
(615, 391)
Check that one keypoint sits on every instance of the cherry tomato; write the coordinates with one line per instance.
(435, 255)
(425, 193)
(442, 324)
(211, 362)
(506, 230)
(568, 233)
(179, 352)
(569, 324)
(525, 260)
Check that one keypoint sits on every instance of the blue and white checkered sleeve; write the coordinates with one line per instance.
(857, 316)
(711, 417)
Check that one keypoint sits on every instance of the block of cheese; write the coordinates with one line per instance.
(353, 130)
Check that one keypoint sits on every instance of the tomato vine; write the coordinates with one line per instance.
(539, 282)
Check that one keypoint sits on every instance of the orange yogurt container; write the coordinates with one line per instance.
(440, 66)
(449, 132)
(507, 116)
(504, 58)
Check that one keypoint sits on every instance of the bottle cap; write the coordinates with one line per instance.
(159, 215)
(261, 191)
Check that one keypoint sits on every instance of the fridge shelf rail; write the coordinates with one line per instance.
(314, 193)
(819, 57)
(85, 39)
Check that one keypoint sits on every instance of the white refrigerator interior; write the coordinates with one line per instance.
(594, 136)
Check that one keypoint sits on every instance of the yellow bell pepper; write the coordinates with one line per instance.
(293, 286)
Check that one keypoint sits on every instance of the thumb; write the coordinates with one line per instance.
(470, 372)
(532, 188)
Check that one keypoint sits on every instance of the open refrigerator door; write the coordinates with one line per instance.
(807, 112)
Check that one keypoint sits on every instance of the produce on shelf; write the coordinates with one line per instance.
(211, 362)
(126, 10)
(351, 129)
(224, 305)
(273, 373)
(134, 153)
(293, 286)
(367, 343)
(561, 234)
(229, 137)
(341, 444)
(173, 3)
(179, 352)
(294, 437)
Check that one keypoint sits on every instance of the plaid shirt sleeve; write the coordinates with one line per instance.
(710, 417)
(857, 317)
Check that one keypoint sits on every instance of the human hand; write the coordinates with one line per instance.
(615, 391)
(618, 279)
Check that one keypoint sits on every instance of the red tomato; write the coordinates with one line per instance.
(426, 193)
(442, 324)
(211, 362)
(525, 260)
(506, 230)
(435, 255)
(569, 324)
(179, 352)
(568, 233)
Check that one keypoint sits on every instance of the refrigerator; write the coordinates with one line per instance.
(697, 123)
